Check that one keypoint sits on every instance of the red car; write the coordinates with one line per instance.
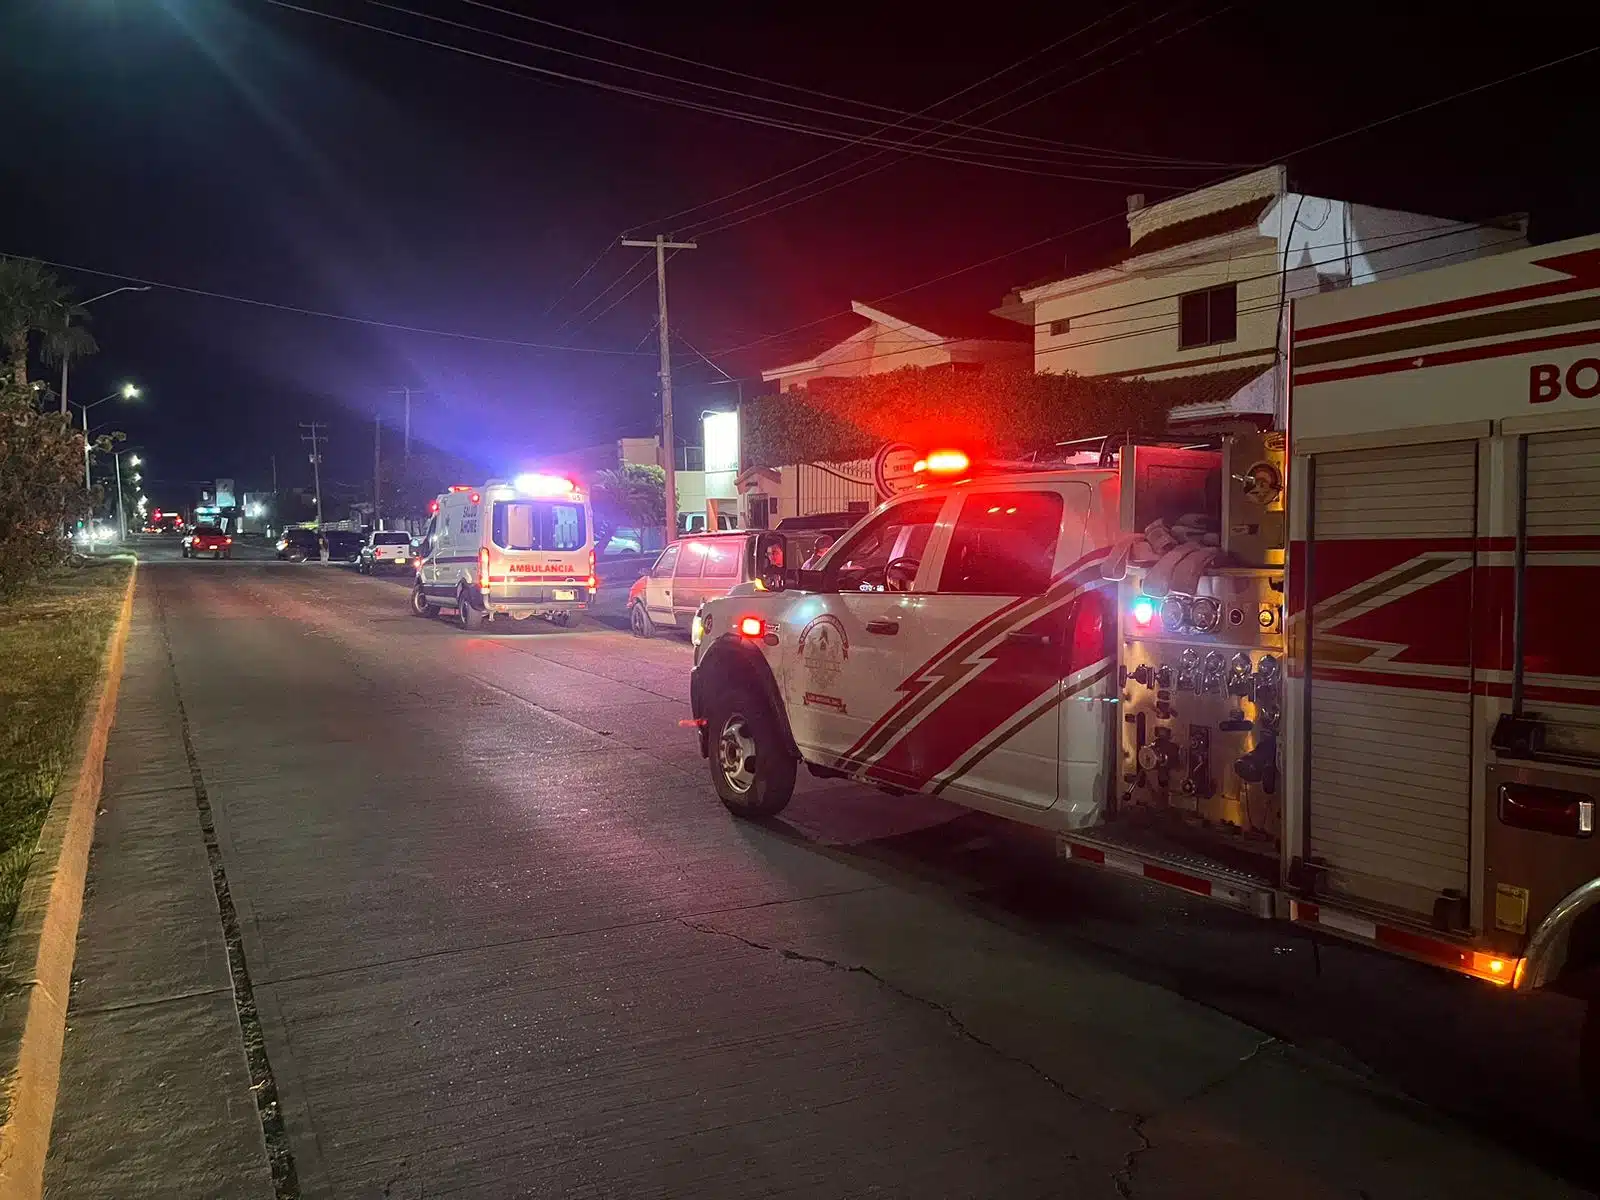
(207, 539)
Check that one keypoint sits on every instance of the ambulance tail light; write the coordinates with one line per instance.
(594, 580)
(752, 627)
(433, 507)
(483, 569)
(943, 462)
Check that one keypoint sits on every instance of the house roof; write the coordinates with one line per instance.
(949, 325)
(1206, 225)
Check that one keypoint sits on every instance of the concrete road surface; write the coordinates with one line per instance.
(500, 940)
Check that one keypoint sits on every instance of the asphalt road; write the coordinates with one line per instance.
(505, 941)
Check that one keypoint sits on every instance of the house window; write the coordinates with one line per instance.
(1209, 317)
(1060, 326)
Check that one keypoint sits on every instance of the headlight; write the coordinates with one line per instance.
(697, 630)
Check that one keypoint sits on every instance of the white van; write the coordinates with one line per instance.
(521, 549)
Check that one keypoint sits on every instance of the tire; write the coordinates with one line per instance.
(468, 615)
(742, 725)
(228, 555)
(639, 621)
(419, 603)
(561, 619)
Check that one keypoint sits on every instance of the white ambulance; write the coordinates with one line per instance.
(520, 550)
(1341, 674)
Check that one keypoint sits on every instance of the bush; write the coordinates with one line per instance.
(1001, 410)
(41, 486)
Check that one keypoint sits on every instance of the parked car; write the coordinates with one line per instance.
(384, 550)
(695, 569)
(299, 544)
(344, 545)
(207, 539)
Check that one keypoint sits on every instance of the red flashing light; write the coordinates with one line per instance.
(752, 627)
(460, 487)
(943, 462)
(475, 498)
(433, 506)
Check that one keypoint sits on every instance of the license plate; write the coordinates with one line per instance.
(566, 594)
(400, 558)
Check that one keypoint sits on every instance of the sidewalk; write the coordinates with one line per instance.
(155, 1095)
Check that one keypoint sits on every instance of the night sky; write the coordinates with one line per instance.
(237, 147)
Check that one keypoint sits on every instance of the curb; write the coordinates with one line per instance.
(36, 974)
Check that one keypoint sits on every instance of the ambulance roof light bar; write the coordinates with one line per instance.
(533, 483)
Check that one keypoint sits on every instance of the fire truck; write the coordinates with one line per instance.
(1331, 668)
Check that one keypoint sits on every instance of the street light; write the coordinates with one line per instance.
(127, 391)
(65, 358)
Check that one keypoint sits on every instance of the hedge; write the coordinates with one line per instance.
(999, 410)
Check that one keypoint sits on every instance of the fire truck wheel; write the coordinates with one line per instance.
(468, 615)
(751, 770)
(639, 621)
(419, 603)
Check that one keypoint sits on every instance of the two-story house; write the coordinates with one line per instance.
(1204, 284)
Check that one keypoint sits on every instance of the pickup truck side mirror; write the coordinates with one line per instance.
(772, 561)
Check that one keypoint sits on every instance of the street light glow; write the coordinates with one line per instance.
(129, 391)
(134, 462)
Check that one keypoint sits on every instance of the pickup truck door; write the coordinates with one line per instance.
(995, 629)
(850, 644)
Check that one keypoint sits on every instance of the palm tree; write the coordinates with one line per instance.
(30, 298)
(65, 342)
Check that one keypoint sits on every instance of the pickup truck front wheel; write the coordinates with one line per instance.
(751, 768)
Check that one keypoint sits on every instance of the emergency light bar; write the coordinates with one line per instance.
(942, 462)
(534, 484)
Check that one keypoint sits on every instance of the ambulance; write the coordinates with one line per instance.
(513, 550)
(1341, 669)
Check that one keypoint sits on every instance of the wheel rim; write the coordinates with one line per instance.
(638, 620)
(736, 755)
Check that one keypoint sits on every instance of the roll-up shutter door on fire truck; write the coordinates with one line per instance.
(1564, 485)
(1390, 785)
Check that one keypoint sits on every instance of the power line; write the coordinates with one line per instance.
(1102, 151)
(987, 139)
(1168, 325)
(327, 316)
(567, 291)
(869, 158)
(764, 212)
(675, 101)
(1077, 229)
(601, 295)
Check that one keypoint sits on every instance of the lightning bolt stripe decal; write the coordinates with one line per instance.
(953, 666)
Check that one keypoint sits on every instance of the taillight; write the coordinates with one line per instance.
(752, 627)
(1547, 809)
(594, 580)
(483, 569)
(227, 541)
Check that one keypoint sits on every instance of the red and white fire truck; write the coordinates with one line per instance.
(1338, 672)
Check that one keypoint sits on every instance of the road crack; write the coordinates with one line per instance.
(956, 1023)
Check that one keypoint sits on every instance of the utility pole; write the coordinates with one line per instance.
(668, 442)
(122, 521)
(405, 445)
(377, 467)
(315, 438)
(274, 458)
